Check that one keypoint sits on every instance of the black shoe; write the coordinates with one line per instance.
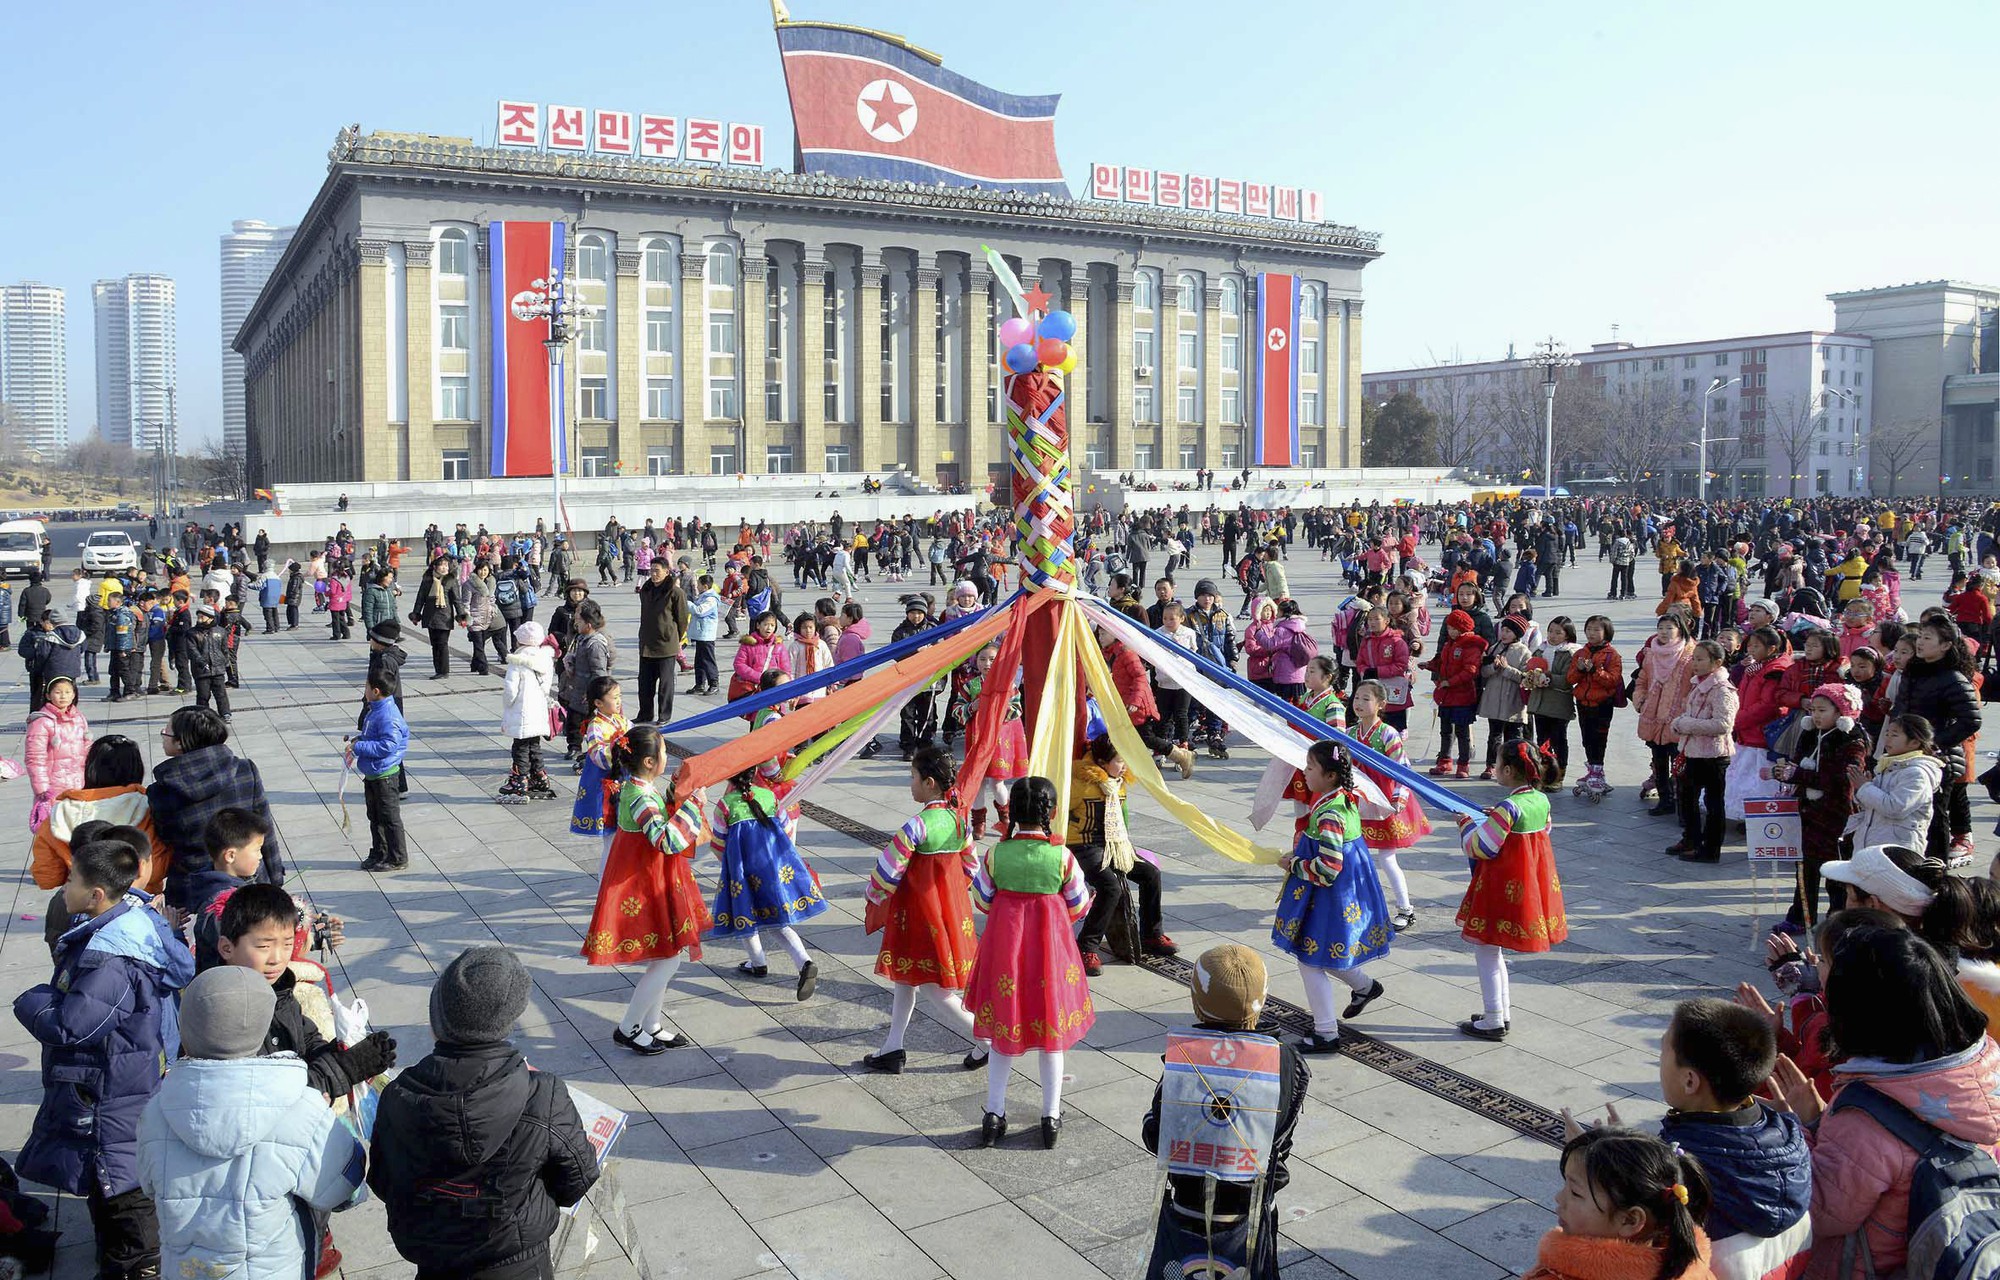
(1471, 1027)
(992, 1129)
(889, 1064)
(749, 970)
(33, 1247)
(1051, 1126)
(1664, 809)
(808, 981)
(645, 1043)
(1677, 848)
(974, 1060)
(1698, 856)
(1319, 1044)
(1505, 1026)
(376, 865)
(1360, 1002)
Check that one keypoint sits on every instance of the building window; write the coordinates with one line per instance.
(721, 460)
(1232, 296)
(837, 458)
(1722, 359)
(592, 399)
(722, 333)
(1232, 407)
(455, 399)
(778, 459)
(659, 333)
(1093, 457)
(1687, 386)
(1145, 294)
(1232, 353)
(1309, 408)
(719, 288)
(659, 460)
(590, 258)
(1232, 457)
(721, 399)
(1857, 377)
(1309, 303)
(1309, 356)
(597, 461)
(1308, 455)
(1189, 286)
(660, 403)
(454, 328)
(1190, 457)
(1187, 404)
(1188, 349)
(832, 331)
(590, 332)
(659, 265)
(457, 464)
(1687, 362)
(1142, 457)
(1142, 349)
(1144, 407)
(454, 255)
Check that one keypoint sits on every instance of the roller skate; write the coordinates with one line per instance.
(539, 788)
(514, 790)
(1593, 787)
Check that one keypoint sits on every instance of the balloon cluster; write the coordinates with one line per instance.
(1044, 344)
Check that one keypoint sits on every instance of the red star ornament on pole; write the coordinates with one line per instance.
(1038, 299)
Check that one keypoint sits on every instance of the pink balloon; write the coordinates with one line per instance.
(1016, 331)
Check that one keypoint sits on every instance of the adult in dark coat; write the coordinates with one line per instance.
(199, 778)
(439, 609)
(663, 621)
(1937, 685)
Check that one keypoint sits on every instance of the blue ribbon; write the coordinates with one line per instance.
(848, 670)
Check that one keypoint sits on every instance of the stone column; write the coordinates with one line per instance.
(377, 451)
(691, 365)
(982, 437)
(1211, 376)
(750, 355)
(1077, 401)
(1350, 385)
(628, 442)
(812, 361)
(1123, 422)
(929, 434)
(426, 462)
(868, 359)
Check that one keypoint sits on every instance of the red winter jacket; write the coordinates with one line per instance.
(1598, 686)
(1134, 685)
(1456, 669)
(1762, 701)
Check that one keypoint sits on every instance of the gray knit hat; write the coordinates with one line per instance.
(226, 1013)
(479, 997)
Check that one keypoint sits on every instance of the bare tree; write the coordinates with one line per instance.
(1789, 430)
(220, 469)
(1646, 429)
(1463, 432)
(1894, 447)
(1516, 408)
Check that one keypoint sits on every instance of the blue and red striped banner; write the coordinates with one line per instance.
(520, 253)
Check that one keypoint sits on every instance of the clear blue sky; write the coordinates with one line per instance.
(1680, 169)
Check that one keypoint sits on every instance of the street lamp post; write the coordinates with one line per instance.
(1701, 459)
(166, 445)
(1551, 357)
(1852, 401)
(555, 301)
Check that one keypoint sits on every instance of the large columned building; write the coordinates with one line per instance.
(765, 322)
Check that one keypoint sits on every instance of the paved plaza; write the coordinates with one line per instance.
(767, 1150)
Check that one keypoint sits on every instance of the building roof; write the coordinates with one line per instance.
(458, 161)
(1912, 287)
(1604, 354)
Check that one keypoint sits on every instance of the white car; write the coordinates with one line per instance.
(109, 551)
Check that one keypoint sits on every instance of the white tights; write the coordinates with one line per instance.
(754, 944)
(644, 1011)
(995, 791)
(1321, 996)
(999, 1065)
(946, 1007)
(1493, 987)
(1392, 871)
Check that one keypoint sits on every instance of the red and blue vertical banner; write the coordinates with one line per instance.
(1277, 437)
(524, 442)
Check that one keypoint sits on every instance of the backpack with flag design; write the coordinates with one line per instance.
(1954, 1222)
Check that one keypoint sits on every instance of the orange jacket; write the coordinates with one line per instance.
(120, 806)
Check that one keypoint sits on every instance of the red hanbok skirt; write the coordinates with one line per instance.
(927, 937)
(1515, 900)
(1010, 752)
(1399, 830)
(648, 906)
(1027, 989)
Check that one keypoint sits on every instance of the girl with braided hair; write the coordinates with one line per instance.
(1514, 901)
(765, 882)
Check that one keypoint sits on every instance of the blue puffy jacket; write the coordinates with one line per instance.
(1760, 1172)
(270, 591)
(108, 1026)
(384, 737)
(224, 1149)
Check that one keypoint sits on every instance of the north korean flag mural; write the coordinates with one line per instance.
(1277, 440)
(521, 253)
(868, 106)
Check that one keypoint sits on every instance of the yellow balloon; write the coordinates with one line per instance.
(1069, 363)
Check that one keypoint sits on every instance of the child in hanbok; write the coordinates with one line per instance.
(1321, 701)
(765, 882)
(1332, 918)
(1010, 750)
(1403, 823)
(591, 814)
(1514, 901)
(1028, 989)
(649, 909)
(918, 899)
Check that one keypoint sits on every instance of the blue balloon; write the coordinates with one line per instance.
(1060, 325)
(1021, 358)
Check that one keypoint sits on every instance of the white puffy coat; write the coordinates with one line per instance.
(528, 687)
(1895, 806)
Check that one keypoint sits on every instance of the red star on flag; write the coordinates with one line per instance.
(1038, 298)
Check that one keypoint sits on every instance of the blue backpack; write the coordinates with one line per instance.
(1954, 1223)
(507, 593)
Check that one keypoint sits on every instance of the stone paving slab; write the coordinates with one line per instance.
(767, 1150)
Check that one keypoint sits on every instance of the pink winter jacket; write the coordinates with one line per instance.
(1707, 718)
(757, 655)
(1660, 689)
(58, 741)
(1861, 1175)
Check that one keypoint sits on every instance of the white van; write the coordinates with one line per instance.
(20, 547)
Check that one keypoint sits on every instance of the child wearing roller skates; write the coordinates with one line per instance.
(527, 692)
(1596, 680)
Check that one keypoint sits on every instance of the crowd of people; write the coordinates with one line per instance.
(213, 1119)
